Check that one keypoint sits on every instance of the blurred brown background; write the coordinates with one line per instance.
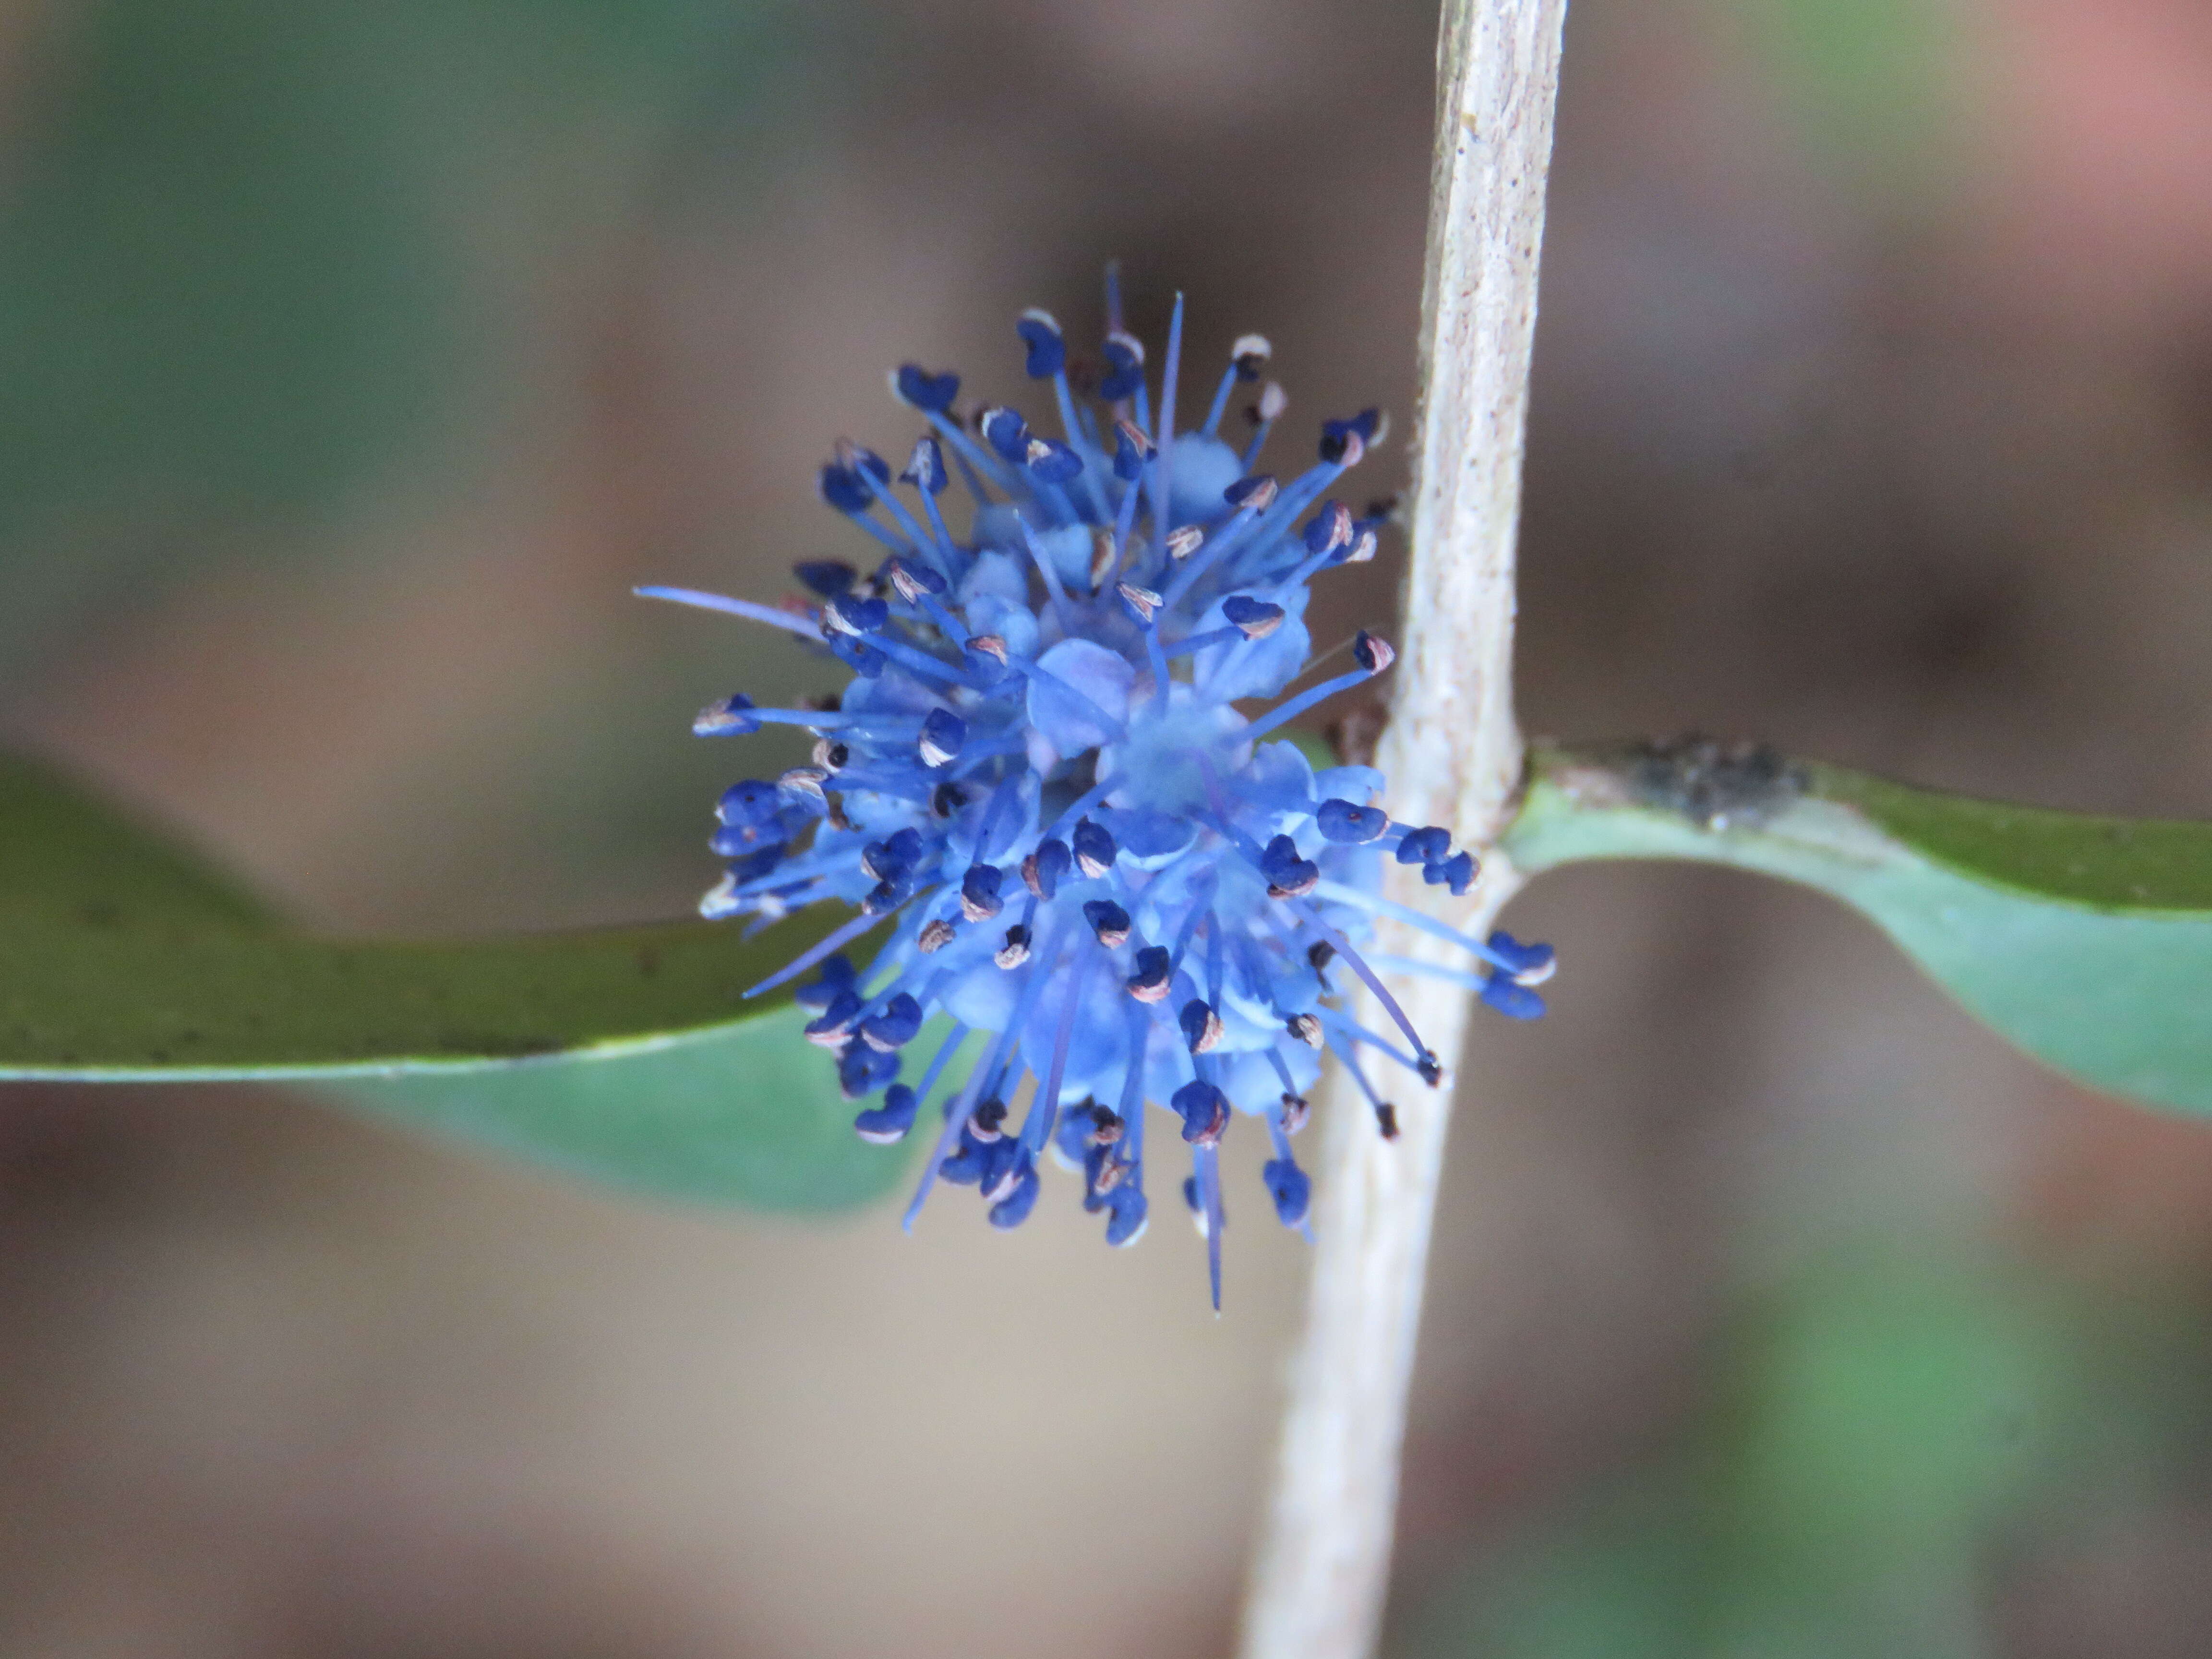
(355, 360)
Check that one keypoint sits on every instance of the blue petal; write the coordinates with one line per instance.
(1101, 676)
(1256, 668)
(1199, 469)
(1147, 839)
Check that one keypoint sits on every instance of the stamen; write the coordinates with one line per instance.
(1045, 1108)
(801, 626)
(1337, 892)
(1263, 414)
(1162, 483)
(1290, 710)
(1386, 1114)
(829, 946)
(957, 1106)
(1142, 600)
(1366, 974)
(1205, 1163)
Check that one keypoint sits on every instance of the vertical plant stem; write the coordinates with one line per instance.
(1452, 753)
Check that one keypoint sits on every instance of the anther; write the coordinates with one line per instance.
(1184, 542)
(1095, 850)
(947, 799)
(1042, 869)
(1125, 375)
(1109, 920)
(1254, 618)
(727, 719)
(805, 780)
(1319, 956)
(925, 471)
(909, 585)
(855, 615)
(1051, 461)
(1250, 355)
(826, 578)
(979, 892)
(1288, 875)
(1201, 1026)
(1432, 846)
(1008, 1182)
(988, 645)
(1372, 652)
(983, 1123)
(1456, 872)
(1204, 1110)
(1039, 331)
(1142, 600)
(1431, 1068)
(912, 385)
(888, 1124)
(1296, 1111)
(1016, 950)
(935, 936)
(895, 1027)
(1105, 1127)
(1386, 1118)
(1005, 430)
(1342, 822)
(1254, 494)
(1150, 983)
(886, 896)
(830, 756)
(1305, 1028)
(943, 735)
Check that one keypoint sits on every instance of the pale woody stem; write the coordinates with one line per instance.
(1453, 755)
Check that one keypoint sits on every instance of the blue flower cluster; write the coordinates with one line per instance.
(1039, 780)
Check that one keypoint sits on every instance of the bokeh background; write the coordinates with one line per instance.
(356, 360)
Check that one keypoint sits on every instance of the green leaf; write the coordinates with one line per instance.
(628, 1054)
(2086, 941)
(746, 1113)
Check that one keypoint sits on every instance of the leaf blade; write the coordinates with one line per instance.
(627, 1055)
(2085, 941)
(748, 1116)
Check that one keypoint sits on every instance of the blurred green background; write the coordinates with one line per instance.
(355, 360)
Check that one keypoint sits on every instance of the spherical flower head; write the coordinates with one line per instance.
(1108, 882)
